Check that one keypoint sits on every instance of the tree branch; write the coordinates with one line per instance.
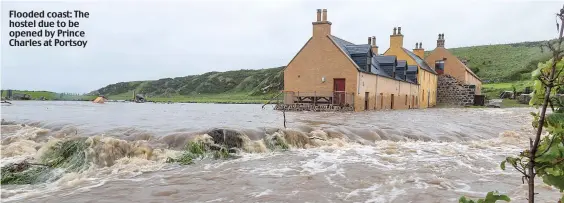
(546, 150)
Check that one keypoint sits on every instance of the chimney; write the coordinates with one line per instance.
(441, 40)
(373, 46)
(396, 39)
(321, 27)
(419, 51)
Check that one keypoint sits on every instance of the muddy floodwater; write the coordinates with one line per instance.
(431, 155)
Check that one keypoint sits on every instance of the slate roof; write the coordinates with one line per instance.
(419, 61)
(412, 68)
(401, 69)
(402, 63)
(359, 53)
(387, 64)
(342, 43)
(358, 49)
(411, 74)
(386, 59)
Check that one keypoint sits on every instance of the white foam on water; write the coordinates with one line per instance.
(404, 166)
(263, 193)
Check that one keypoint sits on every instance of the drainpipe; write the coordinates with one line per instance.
(358, 84)
(376, 93)
(399, 89)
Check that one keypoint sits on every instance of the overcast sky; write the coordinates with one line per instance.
(148, 40)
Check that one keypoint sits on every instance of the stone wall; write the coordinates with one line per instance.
(452, 92)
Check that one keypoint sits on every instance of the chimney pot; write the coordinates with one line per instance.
(399, 30)
(373, 41)
(395, 30)
(369, 40)
(318, 15)
(416, 45)
(324, 14)
(421, 45)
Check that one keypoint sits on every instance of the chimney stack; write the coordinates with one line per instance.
(441, 40)
(396, 39)
(419, 51)
(373, 45)
(321, 27)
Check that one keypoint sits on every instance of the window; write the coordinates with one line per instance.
(440, 66)
(406, 99)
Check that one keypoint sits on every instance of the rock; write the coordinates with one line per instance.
(227, 137)
(215, 147)
(234, 150)
(494, 103)
(524, 98)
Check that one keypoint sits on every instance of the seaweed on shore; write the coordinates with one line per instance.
(68, 155)
(199, 150)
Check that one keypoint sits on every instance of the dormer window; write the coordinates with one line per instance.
(369, 64)
(440, 66)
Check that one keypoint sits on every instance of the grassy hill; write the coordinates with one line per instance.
(503, 62)
(36, 95)
(239, 86)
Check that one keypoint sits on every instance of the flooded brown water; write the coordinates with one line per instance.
(432, 155)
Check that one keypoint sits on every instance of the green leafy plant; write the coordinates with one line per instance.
(544, 157)
(199, 150)
(491, 197)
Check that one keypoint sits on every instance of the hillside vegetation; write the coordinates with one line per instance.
(211, 87)
(36, 95)
(503, 62)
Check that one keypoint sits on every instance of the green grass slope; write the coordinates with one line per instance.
(35, 95)
(503, 62)
(238, 86)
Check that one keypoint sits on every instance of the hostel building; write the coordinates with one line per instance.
(329, 73)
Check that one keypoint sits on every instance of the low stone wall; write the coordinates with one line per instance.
(452, 92)
(311, 107)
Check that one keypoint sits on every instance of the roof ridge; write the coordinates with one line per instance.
(343, 39)
(412, 55)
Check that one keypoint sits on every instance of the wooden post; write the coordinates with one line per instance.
(314, 98)
(284, 114)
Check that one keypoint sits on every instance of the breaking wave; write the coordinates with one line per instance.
(41, 157)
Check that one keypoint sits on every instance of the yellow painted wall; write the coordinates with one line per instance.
(381, 89)
(319, 58)
(427, 81)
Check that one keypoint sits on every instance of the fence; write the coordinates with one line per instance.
(317, 101)
(339, 98)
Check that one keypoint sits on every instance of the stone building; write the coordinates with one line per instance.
(331, 72)
(446, 63)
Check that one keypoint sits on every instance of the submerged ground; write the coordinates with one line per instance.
(432, 155)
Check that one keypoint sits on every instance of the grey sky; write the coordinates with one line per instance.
(146, 40)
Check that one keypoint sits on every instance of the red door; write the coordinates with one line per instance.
(339, 91)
